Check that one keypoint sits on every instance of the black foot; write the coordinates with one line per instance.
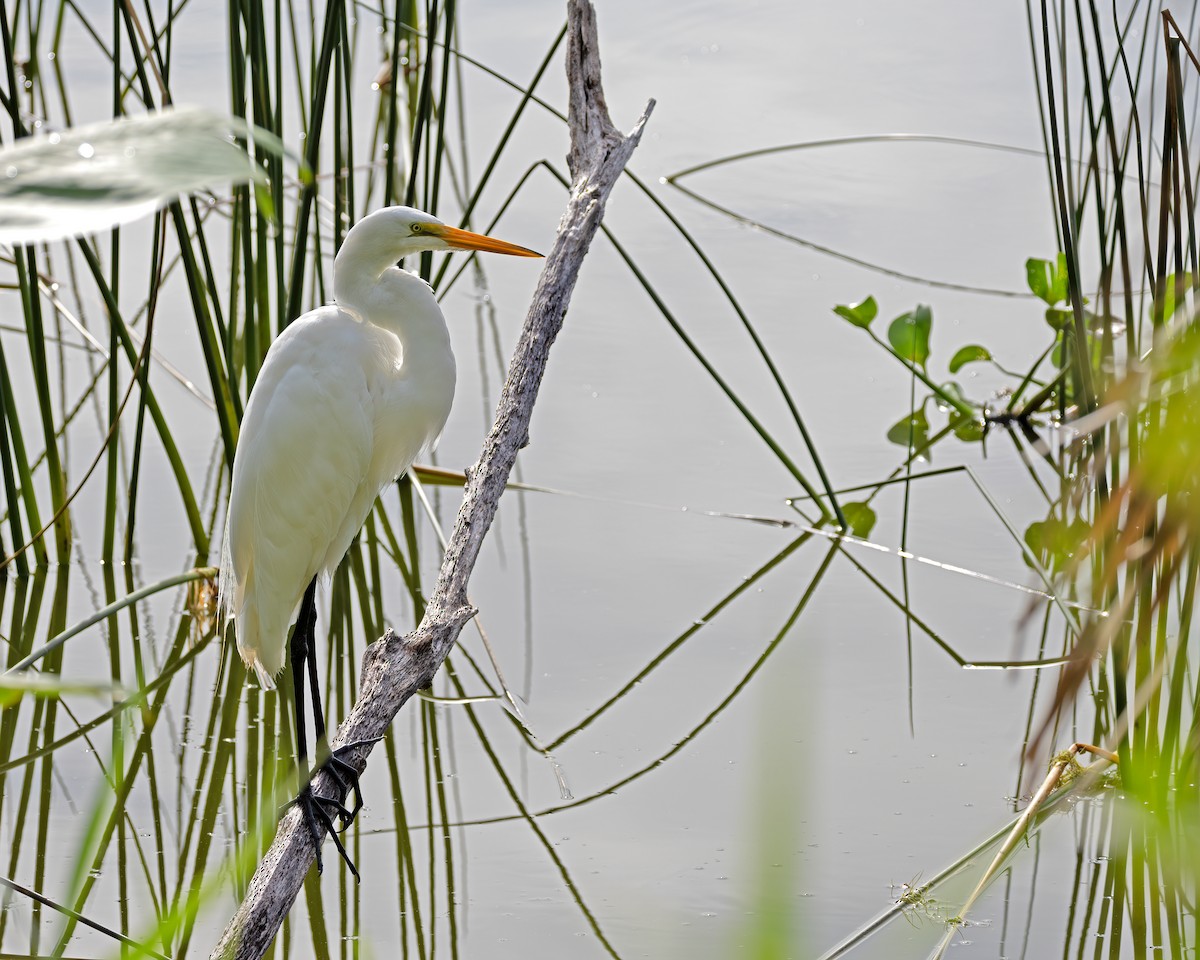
(319, 822)
(346, 777)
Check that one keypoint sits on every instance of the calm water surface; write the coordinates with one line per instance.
(798, 748)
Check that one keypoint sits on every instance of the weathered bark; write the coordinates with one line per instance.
(396, 667)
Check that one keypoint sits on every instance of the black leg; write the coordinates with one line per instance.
(299, 654)
(301, 644)
(303, 650)
(336, 765)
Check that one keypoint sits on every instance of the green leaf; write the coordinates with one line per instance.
(910, 431)
(1037, 275)
(860, 517)
(973, 353)
(951, 389)
(909, 335)
(967, 429)
(1055, 542)
(91, 178)
(1058, 318)
(860, 314)
(1048, 280)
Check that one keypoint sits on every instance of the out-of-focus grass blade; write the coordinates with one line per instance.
(14, 687)
(94, 177)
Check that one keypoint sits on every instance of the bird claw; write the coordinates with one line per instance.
(319, 823)
(346, 777)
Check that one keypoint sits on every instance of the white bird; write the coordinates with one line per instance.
(347, 397)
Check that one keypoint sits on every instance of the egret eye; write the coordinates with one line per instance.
(416, 228)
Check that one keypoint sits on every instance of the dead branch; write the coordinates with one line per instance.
(396, 667)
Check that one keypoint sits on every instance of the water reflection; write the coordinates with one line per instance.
(701, 365)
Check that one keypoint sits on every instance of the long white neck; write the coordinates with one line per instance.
(405, 305)
(368, 284)
(370, 248)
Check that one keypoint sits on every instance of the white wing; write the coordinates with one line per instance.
(302, 463)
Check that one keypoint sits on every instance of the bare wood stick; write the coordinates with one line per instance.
(395, 667)
(1055, 775)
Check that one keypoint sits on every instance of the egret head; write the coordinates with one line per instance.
(403, 231)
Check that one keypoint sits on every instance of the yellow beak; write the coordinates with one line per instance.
(465, 240)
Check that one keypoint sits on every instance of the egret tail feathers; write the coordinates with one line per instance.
(248, 631)
(265, 680)
(227, 585)
(250, 646)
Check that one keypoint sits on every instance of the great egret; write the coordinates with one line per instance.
(347, 397)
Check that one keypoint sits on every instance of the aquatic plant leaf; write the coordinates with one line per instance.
(1055, 541)
(1058, 318)
(953, 390)
(967, 429)
(910, 431)
(860, 314)
(94, 177)
(1047, 280)
(972, 353)
(860, 517)
(909, 335)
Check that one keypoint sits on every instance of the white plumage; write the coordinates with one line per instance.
(346, 399)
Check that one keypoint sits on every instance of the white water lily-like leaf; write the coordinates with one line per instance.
(95, 177)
